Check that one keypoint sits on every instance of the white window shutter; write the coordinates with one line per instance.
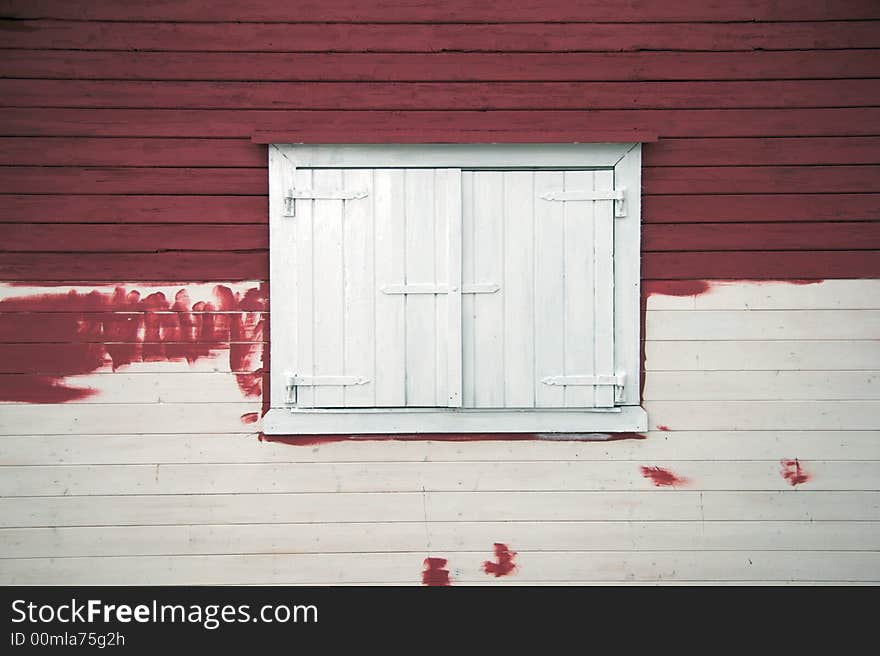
(546, 339)
(377, 271)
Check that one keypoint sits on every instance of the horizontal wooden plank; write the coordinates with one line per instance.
(762, 385)
(761, 236)
(64, 151)
(211, 509)
(764, 415)
(406, 568)
(192, 266)
(124, 386)
(145, 238)
(135, 180)
(134, 208)
(758, 355)
(68, 359)
(666, 446)
(142, 387)
(254, 181)
(770, 295)
(17, 208)
(763, 324)
(439, 95)
(128, 296)
(458, 11)
(761, 265)
(760, 179)
(133, 238)
(727, 207)
(438, 67)
(127, 418)
(753, 152)
(379, 37)
(177, 152)
(445, 537)
(129, 326)
(293, 126)
(257, 478)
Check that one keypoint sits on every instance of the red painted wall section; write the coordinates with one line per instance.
(127, 147)
(49, 337)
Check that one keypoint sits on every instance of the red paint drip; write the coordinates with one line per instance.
(793, 472)
(250, 417)
(435, 572)
(311, 440)
(117, 329)
(662, 477)
(503, 564)
(663, 427)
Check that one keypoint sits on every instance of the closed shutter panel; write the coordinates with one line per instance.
(545, 339)
(377, 260)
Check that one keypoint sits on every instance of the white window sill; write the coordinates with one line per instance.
(356, 421)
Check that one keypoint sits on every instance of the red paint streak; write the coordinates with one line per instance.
(503, 564)
(663, 427)
(250, 417)
(312, 440)
(662, 477)
(675, 287)
(117, 329)
(435, 572)
(793, 473)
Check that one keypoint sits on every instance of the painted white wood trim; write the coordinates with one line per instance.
(592, 155)
(430, 288)
(281, 421)
(627, 274)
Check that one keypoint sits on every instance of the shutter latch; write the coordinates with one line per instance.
(319, 194)
(617, 380)
(295, 380)
(617, 195)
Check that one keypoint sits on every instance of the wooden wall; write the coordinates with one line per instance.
(131, 417)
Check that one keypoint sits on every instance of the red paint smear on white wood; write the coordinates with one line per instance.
(503, 563)
(662, 477)
(122, 327)
(435, 573)
(793, 472)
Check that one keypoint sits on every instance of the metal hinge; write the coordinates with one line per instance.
(617, 195)
(617, 380)
(294, 381)
(319, 194)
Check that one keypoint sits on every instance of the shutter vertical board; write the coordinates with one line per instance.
(578, 284)
(450, 206)
(468, 301)
(518, 287)
(329, 293)
(304, 271)
(390, 331)
(421, 322)
(549, 296)
(488, 317)
(603, 297)
(359, 290)
(283, 274)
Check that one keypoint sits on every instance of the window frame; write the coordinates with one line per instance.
(625, 161)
